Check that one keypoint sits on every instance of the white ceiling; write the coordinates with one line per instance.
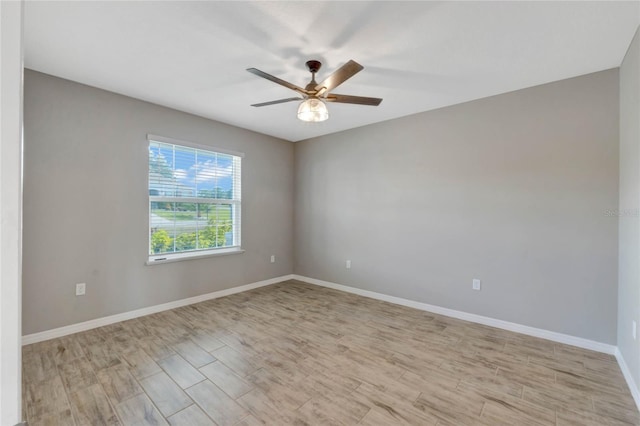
(418, 56)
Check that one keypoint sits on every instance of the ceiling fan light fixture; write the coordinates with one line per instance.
(313, 110)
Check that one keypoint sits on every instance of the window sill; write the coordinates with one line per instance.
(179, 257)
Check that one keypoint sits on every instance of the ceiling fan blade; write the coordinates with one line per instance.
(348, 99)
(341, 75)
(279, 101)
(277, 80)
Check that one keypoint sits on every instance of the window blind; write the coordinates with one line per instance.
(194, 199)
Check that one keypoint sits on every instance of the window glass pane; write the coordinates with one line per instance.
(185, 160)
(161, 180)
(212, 235)
(205, 175)
(205, 238)
(186, 226)
(176, 171)
(223, 225)
(177, 227)
(224, 176)
(162, 227)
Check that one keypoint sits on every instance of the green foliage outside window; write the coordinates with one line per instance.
(161, 241)
(213, 235)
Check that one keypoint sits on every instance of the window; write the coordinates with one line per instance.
(194, 200)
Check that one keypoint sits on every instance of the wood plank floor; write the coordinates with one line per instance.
(293, 353)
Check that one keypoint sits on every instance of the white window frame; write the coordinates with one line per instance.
(155, 259)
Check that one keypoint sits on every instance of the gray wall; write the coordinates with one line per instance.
(629, 251)
(511, 189)
(86, 205)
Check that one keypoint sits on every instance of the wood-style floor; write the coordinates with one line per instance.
(293, 353)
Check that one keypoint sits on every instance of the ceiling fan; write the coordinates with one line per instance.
(314, 95)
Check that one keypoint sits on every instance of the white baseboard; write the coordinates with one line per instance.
(633, 387)
(99, 322)
(492, 322)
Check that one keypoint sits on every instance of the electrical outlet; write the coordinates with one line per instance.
(273, 259)
(476, 284)
(633, 329)
(81, 289)
(348, 264)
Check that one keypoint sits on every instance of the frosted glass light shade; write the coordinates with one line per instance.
(313, 110)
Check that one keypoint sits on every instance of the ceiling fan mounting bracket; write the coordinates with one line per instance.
(313, 66)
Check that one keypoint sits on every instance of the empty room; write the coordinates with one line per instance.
(319, 213)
